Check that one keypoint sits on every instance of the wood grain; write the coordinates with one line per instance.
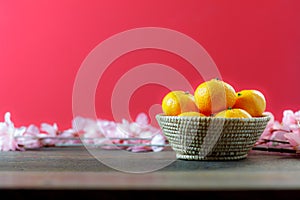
(77, 169)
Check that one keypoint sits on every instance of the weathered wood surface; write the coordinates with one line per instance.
(74, 168)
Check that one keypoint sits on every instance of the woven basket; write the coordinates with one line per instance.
(210, 138)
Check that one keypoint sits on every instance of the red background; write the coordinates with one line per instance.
(255, 44)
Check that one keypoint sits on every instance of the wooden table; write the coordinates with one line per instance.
(54, 172)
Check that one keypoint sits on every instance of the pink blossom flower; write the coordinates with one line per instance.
(7, 135)
(285, 133)
(68, 137)
(48, 133)
(134, 136)
(29, 138)
(267, 133)
(291, 120)
(294, 139)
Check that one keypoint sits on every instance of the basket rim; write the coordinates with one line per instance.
(263, 117)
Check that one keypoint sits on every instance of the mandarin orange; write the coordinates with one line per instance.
(213, 96)
(192, 113)
(253, 101)
(233, 113)
(177, 101)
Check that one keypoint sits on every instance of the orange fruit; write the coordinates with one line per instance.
(233, 113)
(213, 96)
(177, 102)
(253, 101)
(192, 113)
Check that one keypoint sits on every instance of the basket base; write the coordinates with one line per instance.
(208, 158)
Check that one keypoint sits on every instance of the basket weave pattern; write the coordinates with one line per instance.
(208, 138)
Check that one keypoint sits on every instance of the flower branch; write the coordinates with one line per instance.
(281, 136)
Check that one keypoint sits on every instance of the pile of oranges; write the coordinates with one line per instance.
(215, 98)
